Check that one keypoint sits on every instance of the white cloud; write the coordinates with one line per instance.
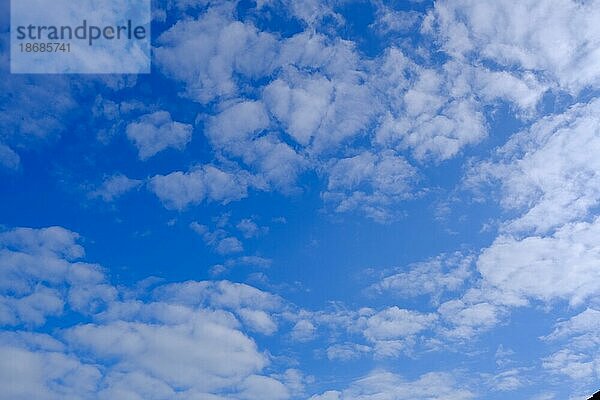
(38, 266)
(577, 366)
(205, 53)
(433, 277)
(183, 341)
(525, 91)
(383, 385)
(115, 186)
(239, 132)
(389, 20)
(229, 245)
(386, 333)
(137, 385)
(262, 387)
(328, 395)
(181, 189)
(310, 12)
(369, 182)
(48, 241)
(242, 261)
(320, 95)
(393, 330)
(250, 229)
(587, 322)
(218, 294)
(547, 250)
(307, 50)
(346, 351)
(35, 110)
(469, 317)
(152, 133)
(508, 381)
(301, 109)
(557, 39)
(237, 124)
(276, 162)
(544, 174)
(578, 356)
(319, 112)
(562, 266)
(258, 321)
(182, 355)
(432, 112)
(45, 374)
(218, 239)
(394, 323)
(303, 331)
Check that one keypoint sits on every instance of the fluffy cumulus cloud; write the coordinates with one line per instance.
(431, 111)
(205, 54)
(41, 276)
(561, 266)
(290, 104)
(179, 339)
(152, 133)
(321, 112)
(237, 124)
(310, 100)
(186, 340)
(179, 353)
(36, 366)
(240, 132)
(179, 189)
(556, 39)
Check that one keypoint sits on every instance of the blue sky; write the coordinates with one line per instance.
(324, 200)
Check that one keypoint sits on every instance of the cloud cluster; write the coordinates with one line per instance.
(578, 356)
(317, 95)
(557, 39)
(183, 340)
(543, 173)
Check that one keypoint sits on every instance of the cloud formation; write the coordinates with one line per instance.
(186, 341)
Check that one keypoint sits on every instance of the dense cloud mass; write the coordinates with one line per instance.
(310, 199)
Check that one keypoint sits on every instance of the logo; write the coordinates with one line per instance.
(83, 36)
